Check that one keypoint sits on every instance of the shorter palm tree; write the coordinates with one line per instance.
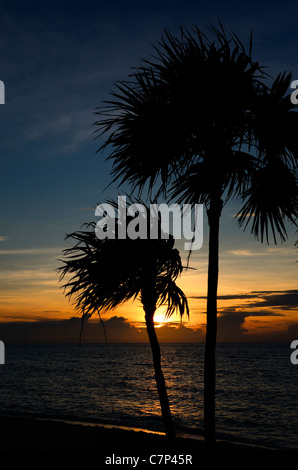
(106, 273)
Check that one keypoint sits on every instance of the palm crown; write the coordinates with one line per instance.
(203, 110)
(106, 273)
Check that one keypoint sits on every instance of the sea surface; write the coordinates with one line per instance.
(257, 387)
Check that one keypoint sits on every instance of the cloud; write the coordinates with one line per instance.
(116, 330)
(287, 299)
(119, 329)
(227, 297)
(246, 253)
(41, 331)
(69, 131)
(230, 325)
(59, 76)
(180, 333)
(265, 252)
(231, 320)
(32, 251)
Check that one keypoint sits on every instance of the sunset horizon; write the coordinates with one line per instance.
(148, 230)
(257, 299)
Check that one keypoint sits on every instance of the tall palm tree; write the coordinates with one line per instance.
(200, 121)
(105, 273)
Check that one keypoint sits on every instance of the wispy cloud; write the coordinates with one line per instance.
(32, 251)
(245, 253)
(283, 300)
(265, 252)
(70, 130)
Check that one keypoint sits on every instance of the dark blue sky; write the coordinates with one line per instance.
(59, 61)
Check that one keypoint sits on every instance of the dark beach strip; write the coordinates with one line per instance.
(31, 433)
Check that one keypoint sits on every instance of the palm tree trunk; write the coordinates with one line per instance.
(213, 214)
(159, 377)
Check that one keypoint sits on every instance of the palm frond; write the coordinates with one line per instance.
(271, 200)
(163, 118)
(103, 274)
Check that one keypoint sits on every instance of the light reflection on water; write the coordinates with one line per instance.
(256, 386)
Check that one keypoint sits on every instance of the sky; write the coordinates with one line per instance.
(59, 61)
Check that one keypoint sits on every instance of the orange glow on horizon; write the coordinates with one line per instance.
(36, 296)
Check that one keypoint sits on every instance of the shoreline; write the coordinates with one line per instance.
(21, 432)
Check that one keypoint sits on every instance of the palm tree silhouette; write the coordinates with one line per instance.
(199, 122)
(106, 273)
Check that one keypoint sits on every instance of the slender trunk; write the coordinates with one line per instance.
(159, 377)
(213, 213)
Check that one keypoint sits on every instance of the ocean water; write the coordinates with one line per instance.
(256, 387)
